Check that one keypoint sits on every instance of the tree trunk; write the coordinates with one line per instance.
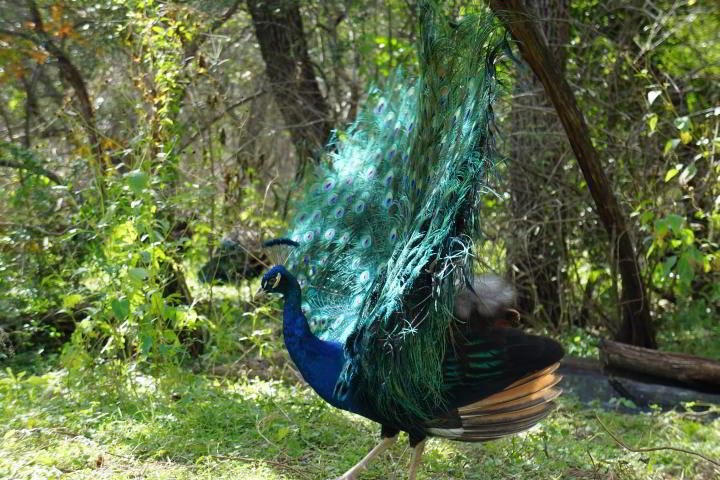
(636, 327)
(31, 106)
(536, 247)
(279, 30)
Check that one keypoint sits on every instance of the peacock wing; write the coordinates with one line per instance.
(496, 384)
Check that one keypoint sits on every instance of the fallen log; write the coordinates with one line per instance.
(697, 372)
(644, 393)
(590, 383)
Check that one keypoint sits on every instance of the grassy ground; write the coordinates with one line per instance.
(180, 425)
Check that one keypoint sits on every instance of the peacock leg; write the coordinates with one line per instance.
(416, 459)
(353, 473)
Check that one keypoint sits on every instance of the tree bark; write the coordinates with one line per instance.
(279, 30)
(636, 327)
(535, 250)
(31, 106)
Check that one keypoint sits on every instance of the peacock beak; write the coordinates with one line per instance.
(259, 294)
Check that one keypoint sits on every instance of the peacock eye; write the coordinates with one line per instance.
(276, 281)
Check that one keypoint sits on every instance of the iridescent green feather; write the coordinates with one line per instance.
(386, 226)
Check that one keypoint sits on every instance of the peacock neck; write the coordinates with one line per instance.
(295, 325)
(320, 362)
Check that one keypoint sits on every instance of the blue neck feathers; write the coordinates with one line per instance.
(319, 362)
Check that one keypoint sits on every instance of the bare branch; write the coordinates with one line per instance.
(716, 463)
(219, 116)
(37, 169)
(193, 48)
(34, 228)
(72, 75)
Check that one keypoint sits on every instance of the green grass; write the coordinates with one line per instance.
(180, 425)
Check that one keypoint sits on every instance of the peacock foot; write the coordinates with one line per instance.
(354, 473)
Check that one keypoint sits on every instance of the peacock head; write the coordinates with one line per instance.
(276, 280)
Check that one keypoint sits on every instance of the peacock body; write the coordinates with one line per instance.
(382, 314)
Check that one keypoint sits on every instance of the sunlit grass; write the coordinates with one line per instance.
(122, 425)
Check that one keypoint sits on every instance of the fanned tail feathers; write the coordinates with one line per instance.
(385, 228)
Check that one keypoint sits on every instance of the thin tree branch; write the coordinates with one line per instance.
(35, 228)
(219, 116)
(33, 168)
(193, 48)
(716, 463)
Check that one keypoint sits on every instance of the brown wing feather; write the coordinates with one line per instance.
(522, 388)
(516, 408)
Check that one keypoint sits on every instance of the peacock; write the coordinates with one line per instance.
(383, 315)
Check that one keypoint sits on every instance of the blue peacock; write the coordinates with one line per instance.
(382, 314)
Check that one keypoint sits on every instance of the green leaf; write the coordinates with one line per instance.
(646, 216)
(146, 342)
(71, 300)
(671, 174)
(675, 222)
(685, 270)
(653, 95)
(697, 258)
(120, 308)
(282, 433)
(671, 145)
(86, 325)
(685, 137)
(170, 336)
(688, 174)
(139, 273)
(668, 264)
(682, 123)
(137, 180)
(652, 122)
